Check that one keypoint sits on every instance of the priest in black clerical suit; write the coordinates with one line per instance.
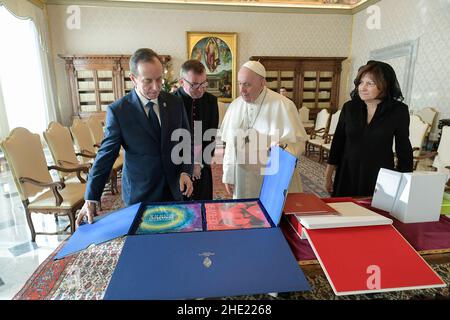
(200, 106)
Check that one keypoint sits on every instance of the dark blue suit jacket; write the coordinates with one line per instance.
(148, 168)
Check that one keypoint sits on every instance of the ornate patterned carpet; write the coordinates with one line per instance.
(86, 275)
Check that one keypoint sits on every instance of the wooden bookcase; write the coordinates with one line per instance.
(310, 81)
(95, 81)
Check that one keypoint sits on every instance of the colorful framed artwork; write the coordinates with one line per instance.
(218, 53)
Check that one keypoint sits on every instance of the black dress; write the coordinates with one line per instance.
(205, 110)
(359, 149)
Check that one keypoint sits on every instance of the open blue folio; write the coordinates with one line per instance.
(205, 264)
(201, 264)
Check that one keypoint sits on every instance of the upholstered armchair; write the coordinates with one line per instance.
(318, 134)
(38, 192)
(96, 130)
(428, 115)
(417, 132)
(325, 145)
(83, 140)
(303, 113)
(322, 129)
(95, 126)
(87, 146)
(325, 148)
(59, 142)
(441, 161)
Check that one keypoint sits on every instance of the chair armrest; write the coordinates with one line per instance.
(86, 154)
(328, 138)
(55, 186)
(426, 156)
(64, 162)
(315, 132)
(309, 130)
(78, 169)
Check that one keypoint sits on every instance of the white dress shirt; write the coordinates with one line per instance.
(144, 102)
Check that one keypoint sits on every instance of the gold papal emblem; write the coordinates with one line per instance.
(207, 262)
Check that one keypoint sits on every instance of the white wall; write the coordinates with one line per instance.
(406, 20)
(119, 30)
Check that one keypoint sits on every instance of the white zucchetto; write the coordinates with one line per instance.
(256, 67)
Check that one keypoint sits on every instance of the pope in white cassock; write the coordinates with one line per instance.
(256, 120)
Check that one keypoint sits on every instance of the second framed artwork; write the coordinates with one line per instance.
(217, 52)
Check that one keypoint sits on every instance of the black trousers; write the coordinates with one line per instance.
(203, 188)
(167, 195)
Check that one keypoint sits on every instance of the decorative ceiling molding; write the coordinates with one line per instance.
(270, 6)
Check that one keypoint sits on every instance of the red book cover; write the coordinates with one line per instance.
(306, 204)
(296, 225)
(370, 259)
(235, 215)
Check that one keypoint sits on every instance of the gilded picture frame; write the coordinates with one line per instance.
(218, 53)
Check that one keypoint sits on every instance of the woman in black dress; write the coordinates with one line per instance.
(368, 124)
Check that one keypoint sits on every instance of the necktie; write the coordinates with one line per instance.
(154, 122)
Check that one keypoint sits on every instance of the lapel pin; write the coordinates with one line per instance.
(164, 104)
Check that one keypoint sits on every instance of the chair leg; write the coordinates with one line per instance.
(72, 221)
(30, 225)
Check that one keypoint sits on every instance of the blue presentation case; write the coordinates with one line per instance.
(201, 264)
(205, 264)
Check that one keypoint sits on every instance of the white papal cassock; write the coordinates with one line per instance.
(249, 129)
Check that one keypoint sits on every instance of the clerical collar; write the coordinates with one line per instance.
(144, 100)
(184, 93)
(260, 98)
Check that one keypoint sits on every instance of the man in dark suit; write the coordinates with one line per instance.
(201, 108)
(143, 122)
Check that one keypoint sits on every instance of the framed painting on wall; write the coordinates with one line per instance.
(217, 52)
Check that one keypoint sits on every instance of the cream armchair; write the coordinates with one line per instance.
(38, 192)
(325, 145)
(428, 115)
(303, 113)
(86, 145)
(83, 140)
(95, 126)
(96, 130)
(417, 132)
(59, 142)
(441, 162)
(318, 135)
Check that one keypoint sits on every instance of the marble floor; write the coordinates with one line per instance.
(19, 257)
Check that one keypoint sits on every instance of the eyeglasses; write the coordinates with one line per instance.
(202, 85)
